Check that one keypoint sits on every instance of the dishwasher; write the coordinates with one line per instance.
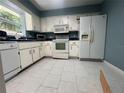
(10, 59)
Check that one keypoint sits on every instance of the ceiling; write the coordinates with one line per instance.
(44, 5)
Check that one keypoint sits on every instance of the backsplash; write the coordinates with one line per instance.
(72, 35)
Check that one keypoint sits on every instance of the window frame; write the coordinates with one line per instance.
(9, 5)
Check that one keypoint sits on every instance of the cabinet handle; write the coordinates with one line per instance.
(11, 46)
(71, 47)
(33, 51)
(40, 48)
(30, 52)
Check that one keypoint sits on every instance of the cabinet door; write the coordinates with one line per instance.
(26, 57)
(73, 23)
(50, 24)
(74, 49)
(43, 24)
(36, 54)
(48, 48)
(64, 20)
(57, 20)
(98, 40)
(41, 51)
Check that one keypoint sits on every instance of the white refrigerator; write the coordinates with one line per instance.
(92, 37)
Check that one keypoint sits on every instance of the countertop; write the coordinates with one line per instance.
(32, 40)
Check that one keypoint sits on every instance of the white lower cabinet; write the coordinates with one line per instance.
(74, 48)
(35, 54)
(29, 53)
(26, 57)
(48, 48)
(41, 51)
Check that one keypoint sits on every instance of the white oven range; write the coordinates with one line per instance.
(61, 48)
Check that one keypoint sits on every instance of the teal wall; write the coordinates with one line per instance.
(72, 10)
(30, 6)
(65, 11)
(114, 51)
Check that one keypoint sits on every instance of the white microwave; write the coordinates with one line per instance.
(61, 28)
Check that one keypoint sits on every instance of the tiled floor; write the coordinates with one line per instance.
(58, 76)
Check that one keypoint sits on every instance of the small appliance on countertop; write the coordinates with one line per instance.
(3, 35)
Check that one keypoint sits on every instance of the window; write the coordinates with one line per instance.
(10, 20)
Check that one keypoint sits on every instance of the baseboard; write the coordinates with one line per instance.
(113, 67)
(91, 59)
(73, 57)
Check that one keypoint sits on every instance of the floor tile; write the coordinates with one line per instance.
(56, 71)
(68, 76)
(51, 81)
(67, 87)
(57, 76)
(46, 90)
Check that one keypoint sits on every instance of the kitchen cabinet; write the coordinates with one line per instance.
(50, 24)
(35, 54)
(26, 57)
(64, 20)
(74, 48)
(57, 20)
(48, 48)
(29, 53)
(73, 23)
(41, 50)
(47, 23)
(44, 24)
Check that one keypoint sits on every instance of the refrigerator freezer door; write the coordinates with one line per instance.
(85, 29)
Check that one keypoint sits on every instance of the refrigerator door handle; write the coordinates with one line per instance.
(92, 35)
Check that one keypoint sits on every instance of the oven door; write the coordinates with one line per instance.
(61, 46)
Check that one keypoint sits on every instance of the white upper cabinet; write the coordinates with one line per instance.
(50, 24)
(73, 23)
(64, 20)
(28, 19)
(47, 23)
(43, 24)
(57, 20)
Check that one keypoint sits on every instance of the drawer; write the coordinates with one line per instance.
(28, 45)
